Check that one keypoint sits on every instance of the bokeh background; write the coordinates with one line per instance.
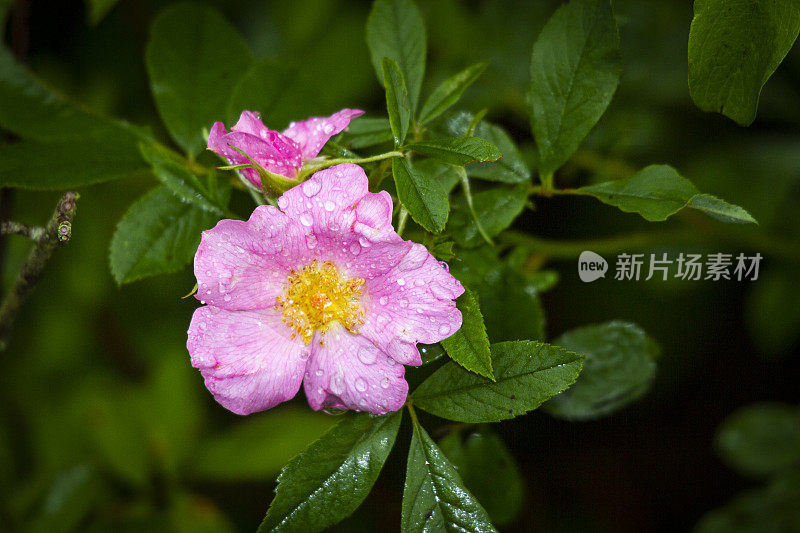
(104, 424)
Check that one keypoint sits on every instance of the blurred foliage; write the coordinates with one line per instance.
(105, 425)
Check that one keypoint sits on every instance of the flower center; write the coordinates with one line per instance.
(318, 295)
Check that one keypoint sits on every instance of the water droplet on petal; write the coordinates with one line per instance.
(401, 281)
(311, 241)
(337, 383)
(444, 329)
(319, 373)
(385, 383)
(306, 220)
(367, 356)
(440, 292)
(329, 205)
(311, 187)
(361, 385)
(363, 241)
(403, 303)
(355, 249)
(227, 297)
(283, 203)
(384, 300)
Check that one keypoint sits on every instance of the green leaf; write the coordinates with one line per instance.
(98, 9)
(423, 196)
(734, 47)
(448, 93)
(365, 132)
(158, 234)
(71, 495)
(35, 112)
(457, 151)
(526, 372)
(619, 366)
(238, 453)
(279, 93)
(330, 478)
(511, 168)
(761, 439)
(469, 346)
(395, 30)
(64, 164)
(575, 68)
(435, 498)
(440, 172)
(194, 59)
(658, 191)
(496, 208)
(772, 509)
(509, 299)
(397, 103)
(63, 145)
(489, 471)
(173, 173)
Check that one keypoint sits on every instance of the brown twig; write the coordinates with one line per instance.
(9, 227)
(58, 231)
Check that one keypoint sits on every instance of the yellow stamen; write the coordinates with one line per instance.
(317, 296)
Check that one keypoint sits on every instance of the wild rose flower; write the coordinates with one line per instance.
(280, 153)
(322, 292)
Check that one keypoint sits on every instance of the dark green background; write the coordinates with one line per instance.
(77, 387)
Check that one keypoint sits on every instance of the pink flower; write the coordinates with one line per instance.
(322, 292)
(280, 153)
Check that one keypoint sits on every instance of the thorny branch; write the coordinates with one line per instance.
(57, 232)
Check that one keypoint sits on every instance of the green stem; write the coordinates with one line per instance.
(546, 180)
(339, 160)
(465, 186)
(412, 412)
(540, 190)
(401, 221)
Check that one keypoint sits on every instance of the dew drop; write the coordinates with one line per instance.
(385, 383)
(401, 281)
(306, 220)
(440, 292)
(311, 241)
(329, 205)
(444, 329)
(367, 356)
(311, 187)
(355, 248)
(319, 373)
(384, 300)
(337, 384)
(283, 203)
(227, 297)
(363, 241)
(361, 385)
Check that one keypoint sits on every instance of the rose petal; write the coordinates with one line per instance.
(328, 207)
(243, 265)
(349, 372)
(414, 302)
(312, 134)
(247, 358)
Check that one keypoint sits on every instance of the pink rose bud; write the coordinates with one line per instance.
(279, 153)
